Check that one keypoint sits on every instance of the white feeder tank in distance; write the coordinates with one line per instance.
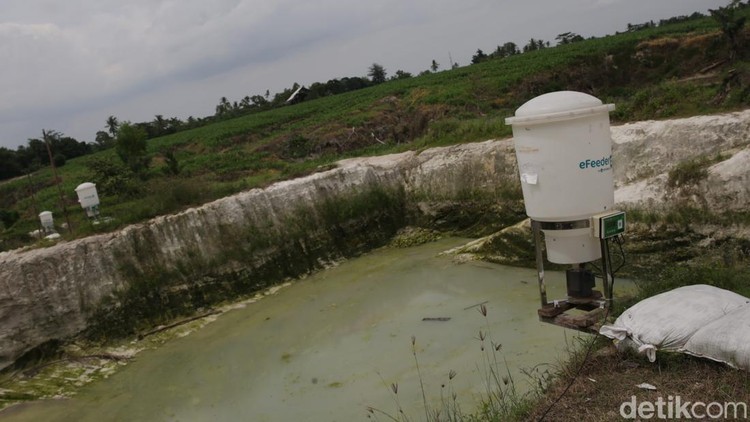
(88, 198)
(48, 223)
(564, 151)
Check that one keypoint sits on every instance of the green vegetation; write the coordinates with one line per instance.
(130, 146)
(654, 72)
(413, 236)
(691, 172)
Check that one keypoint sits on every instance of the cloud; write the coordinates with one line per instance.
(137, 45)
(68, 63)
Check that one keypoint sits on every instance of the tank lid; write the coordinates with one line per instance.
(45, 213)
(558, 106)
(85, 185)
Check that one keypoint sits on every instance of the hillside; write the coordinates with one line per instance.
(679, 69)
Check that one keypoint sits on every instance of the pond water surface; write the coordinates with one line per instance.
(330, 345)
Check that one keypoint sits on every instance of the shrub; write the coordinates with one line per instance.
(9, 217)
(131, 147)
(689, 172)
(113, 178)
(59, 160)
(297, 147)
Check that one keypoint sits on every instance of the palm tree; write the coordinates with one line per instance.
(223, 106)
(112, 125)
(160, 124)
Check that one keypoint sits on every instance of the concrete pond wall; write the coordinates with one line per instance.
(123, 282)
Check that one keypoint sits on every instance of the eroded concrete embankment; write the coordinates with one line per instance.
(175, 264)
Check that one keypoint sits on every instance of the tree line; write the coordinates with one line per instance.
(34, 154)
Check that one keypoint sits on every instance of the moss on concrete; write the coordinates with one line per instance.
(414, 236)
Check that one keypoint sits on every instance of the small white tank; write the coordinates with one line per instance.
(564, 150)
(48, 223)
(88, 198)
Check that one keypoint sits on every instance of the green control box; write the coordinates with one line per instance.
(609, 224)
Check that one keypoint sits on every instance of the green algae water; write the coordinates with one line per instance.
(329, 346)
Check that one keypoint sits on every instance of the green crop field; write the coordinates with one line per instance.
(672, 70)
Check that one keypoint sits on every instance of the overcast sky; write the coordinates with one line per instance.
(68, 65)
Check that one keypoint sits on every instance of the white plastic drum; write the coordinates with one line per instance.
(564, 150)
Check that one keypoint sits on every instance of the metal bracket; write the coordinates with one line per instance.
(594, 308)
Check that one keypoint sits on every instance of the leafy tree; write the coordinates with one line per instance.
(174, 124)
(337, 86)
(568, 38)
(731, 25)
(160, 125)
(112, 178)
(640, 26)
(59, 159)
(434, 66)
(259, 101)
(354, 83)
(9, 164)
(506, 50)
(112, 125)
(376, 73)
(35, 153)
(400, 74)
(534, 45)
(245, 103)
(104, 140)
(131, 147)
(223, 107)
(68, 146)
(478, 57)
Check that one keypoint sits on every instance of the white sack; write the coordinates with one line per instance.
(725, 340)
(668, 320)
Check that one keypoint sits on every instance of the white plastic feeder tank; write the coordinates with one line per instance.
(88, 198)
(48, 223)
(564, 150)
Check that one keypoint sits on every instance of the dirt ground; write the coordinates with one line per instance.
(609, 378)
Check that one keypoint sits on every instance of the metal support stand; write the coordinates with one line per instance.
(537, 231)
(593, 308)
(608, 278)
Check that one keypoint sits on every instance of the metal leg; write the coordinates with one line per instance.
(608, 277)
(536, 230)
